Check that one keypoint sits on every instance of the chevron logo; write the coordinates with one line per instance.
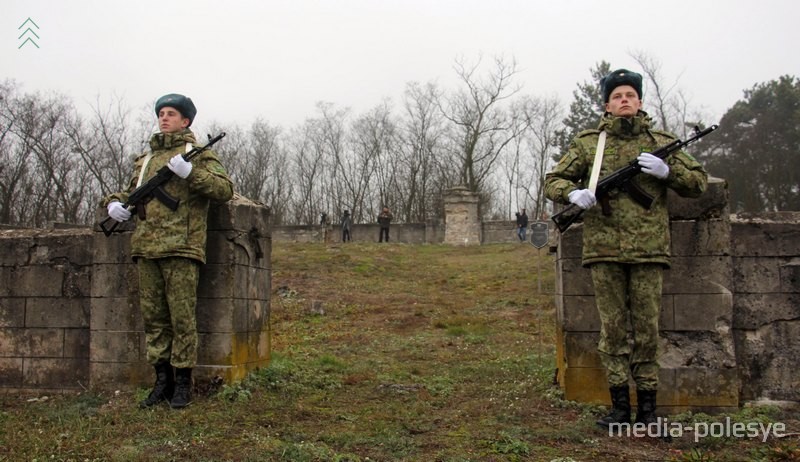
(28, 33)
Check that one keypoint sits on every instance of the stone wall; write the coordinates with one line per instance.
(406, 233)
(462, 227)
(766, 300)
(729, 316)
(500, 231)
(299, 233)
(69, 315)
(491, 232)
(45, 300)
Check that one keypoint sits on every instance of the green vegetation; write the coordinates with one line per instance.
(424, 353)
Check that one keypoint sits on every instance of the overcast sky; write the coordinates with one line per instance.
(239, 60)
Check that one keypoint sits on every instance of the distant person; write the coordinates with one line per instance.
(346, 222)
(626, 246)
(169, 246)
(384, 218)
(522, 225)
(323, 219)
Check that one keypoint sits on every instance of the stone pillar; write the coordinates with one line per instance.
(462, 224)
(698, 361)
(232, 307)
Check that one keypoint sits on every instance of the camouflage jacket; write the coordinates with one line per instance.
(631, 234)
(181, 233)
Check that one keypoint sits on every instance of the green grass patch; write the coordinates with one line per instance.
(424, 353)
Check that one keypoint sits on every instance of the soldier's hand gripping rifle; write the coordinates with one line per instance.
(154, 188)
(621, 180)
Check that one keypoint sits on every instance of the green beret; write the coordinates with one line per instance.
(620, 77)
(183, 104)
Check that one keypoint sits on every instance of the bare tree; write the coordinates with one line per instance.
(315, 147)
(371, 141)
(55, 184)
(424, 161)
(236, 153)
(330, 140)
(659, 92)
(269, 183)
(106, 144)
(512, 161)
(13, 157)
(542, 143)
(484, 126)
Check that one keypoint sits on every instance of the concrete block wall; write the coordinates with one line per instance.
(406, 233)
(699, 365)
(45, 282)
(232, 306)
(491, 232)
(766, 322)
(69, 308)
(499, 231)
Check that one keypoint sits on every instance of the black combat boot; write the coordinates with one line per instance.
(164, 386)
(620, 407)
(646, 406)
(646, 411)
(183, 388)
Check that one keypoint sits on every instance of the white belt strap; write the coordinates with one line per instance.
(147, 161)
(598, 161)
(144, 169)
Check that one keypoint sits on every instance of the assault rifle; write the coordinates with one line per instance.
(154, 188)
(622, 180)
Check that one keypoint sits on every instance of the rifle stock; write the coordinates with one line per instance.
(621, 179)
(154, 188)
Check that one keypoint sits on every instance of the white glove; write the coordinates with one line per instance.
(118, 212)
(583, 198)
(653, 165)
(179, 166)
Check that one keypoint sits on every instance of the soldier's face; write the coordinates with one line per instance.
(623, 102)
(170, 120)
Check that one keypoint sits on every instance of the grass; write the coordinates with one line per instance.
(423, 353)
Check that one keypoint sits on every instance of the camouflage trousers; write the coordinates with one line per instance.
(168, 298)
(628, 296)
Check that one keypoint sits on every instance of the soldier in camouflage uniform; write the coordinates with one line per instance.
(169, 246)
(627, 249)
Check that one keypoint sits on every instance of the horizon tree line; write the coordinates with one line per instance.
(487, 135)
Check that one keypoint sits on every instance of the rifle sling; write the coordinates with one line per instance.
(147, 159)
(598, 161)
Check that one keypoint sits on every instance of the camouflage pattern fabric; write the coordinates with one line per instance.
(180, 233)
(169, 246)
(629, 296)
(631, 234)
(628, 249)
(168, 298)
